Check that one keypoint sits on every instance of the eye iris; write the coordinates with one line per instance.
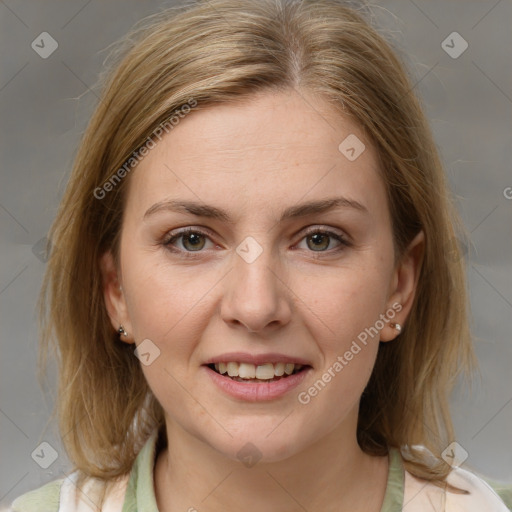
(319, 237)
(194, 237)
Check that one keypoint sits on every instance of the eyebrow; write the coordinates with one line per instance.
(292, 212)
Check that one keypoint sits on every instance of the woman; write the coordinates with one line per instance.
(248, 286)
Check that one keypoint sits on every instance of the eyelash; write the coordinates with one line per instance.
(172, 237)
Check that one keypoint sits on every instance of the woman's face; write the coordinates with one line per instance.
(262, 278)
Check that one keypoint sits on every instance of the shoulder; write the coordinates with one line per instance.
(480, 494)
(63, 495)
(45, 498)
(87, 494)
(504, 491)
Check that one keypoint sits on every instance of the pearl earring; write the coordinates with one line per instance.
(398, 327)
(121, 331)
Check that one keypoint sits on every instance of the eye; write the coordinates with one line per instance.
(319, 240)
(193, 240)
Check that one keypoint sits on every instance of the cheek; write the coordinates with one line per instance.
(343, 324)
(343, 316)
(167, 304)
(343, 304)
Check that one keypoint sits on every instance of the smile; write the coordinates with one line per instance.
(268, 386)
(247, 372)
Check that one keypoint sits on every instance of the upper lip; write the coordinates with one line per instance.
(256, 359)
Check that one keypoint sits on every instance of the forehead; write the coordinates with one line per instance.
(271, 149)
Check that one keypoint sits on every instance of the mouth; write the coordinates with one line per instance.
(263, 373)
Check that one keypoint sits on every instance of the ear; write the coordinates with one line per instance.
(403, 285)
(114, 296)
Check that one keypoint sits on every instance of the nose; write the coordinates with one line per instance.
(256, 295)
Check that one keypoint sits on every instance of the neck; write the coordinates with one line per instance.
(331, 474)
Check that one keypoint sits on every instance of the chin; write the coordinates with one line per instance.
(256, 443)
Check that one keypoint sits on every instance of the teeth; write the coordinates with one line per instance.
(246, 370)
(279, 369)
(288, 368)
(233, 369)
(266, 371)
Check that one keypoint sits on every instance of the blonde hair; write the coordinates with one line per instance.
(220, 51)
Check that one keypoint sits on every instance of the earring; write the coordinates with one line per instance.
(398, 327)
(121, 331)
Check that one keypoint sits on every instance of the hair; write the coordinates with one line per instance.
(105, 407)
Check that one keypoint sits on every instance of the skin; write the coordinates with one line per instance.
(253, 160)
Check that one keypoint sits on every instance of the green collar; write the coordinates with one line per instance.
(394, 497)
(140, 494)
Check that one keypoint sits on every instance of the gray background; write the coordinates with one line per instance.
(45, 105)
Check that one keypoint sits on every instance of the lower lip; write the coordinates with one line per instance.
(257, 391)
